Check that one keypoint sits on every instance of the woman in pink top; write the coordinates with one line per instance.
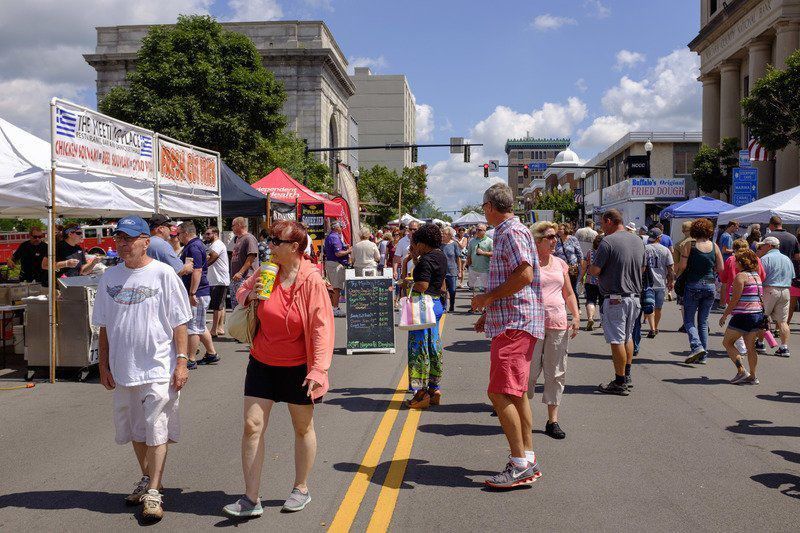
(731, 269)
(289, 362)
(550, 355)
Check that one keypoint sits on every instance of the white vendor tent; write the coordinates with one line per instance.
(785, 204)
(470, 219)
(405, 220)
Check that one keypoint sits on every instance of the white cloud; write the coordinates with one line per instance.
(548, 22)
(326, 5)
(255, 10)
(627, 59)
(581, 85)
(424, 122)
(25, 103)
(446, 125)
(375, 64)
(597, 9)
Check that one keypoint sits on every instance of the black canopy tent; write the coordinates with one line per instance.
(239, 199)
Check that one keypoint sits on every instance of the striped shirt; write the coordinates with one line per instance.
(524, 310)
(750, 301)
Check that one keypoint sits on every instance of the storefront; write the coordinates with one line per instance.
(640, 200)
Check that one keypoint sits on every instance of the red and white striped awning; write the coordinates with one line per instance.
(757, 152)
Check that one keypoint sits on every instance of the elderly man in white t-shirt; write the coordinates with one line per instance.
(142, 310)
(402, 258)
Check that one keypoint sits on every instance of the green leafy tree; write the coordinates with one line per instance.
(713, 167)
(381, 187)
(25, 224)
(772, 109)
(561, 202)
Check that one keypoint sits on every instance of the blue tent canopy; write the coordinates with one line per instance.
(703, 206)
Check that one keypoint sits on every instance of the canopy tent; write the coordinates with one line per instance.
(702, 206)
(785, 204)
(470, 219)
(405, 220)
(239, 199)
(282, 187)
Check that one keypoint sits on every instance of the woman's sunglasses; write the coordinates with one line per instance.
(277, 242)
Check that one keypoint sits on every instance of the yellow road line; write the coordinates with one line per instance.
(387, 499)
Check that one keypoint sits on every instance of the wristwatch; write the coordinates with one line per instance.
(182, 356)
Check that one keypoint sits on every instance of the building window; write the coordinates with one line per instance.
(683, 157)
(712, 7)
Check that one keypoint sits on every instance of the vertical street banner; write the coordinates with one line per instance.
(83, 138)
(313, 217)
(187, 167)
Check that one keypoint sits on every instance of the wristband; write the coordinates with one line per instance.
(182, 356)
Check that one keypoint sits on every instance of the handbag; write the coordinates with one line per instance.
(765, 320)
(416, 312)
(243, 322)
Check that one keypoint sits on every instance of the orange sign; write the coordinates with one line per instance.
(187, 167)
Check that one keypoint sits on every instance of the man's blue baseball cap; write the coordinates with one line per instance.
(132, 226)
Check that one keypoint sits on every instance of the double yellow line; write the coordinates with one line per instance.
(387, 499)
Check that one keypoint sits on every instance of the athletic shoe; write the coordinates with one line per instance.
(651, 334)
(244, 508)
(191, 365)
(554, 430)
(614, 388)
(749, 380)
(514, 476)
(339, 313)
(296, 501)
(743, 374)
(782, 352)
(629, 383)
(761, 347)
(151, 507)
(695, 356)
(135, 497)
(209, 359)
(703, 360)
(589, 325)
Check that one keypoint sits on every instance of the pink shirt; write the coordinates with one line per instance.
(552, 280)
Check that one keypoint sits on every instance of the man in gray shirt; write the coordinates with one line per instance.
(160, 249)
(660, 261)
(618, 265)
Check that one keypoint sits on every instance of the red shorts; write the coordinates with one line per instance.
(511, 355)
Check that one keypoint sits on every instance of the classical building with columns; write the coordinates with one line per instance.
(737, 40)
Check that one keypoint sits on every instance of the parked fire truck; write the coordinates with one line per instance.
(96, 240)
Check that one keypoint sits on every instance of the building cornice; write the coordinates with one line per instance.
(543, 144)
(732, 12)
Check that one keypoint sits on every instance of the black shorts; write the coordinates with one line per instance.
(747, 322)
(592, 294)
(218, 294)
(277, 383)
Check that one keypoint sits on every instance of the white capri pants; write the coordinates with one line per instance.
(550, 358)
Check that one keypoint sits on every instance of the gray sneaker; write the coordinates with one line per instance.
(244, 508)
(743, 374)
(749, 380)
(513, 476)
(296, 501)
(135, 497)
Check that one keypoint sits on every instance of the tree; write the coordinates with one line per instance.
(772, 109)
(713, 167)
(381, 186)
(204, 85)
(471, 207)
(561, 202)
(25, 224)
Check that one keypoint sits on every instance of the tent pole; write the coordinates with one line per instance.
(219, 193)
(52, 308)
(269, 218)
(157, 173)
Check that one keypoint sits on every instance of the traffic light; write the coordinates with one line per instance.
(486, 170)
(525, 172)
(414, 154)
(466, 153)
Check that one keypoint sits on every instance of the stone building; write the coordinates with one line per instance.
(540, 152)
(737, 40)
(302, 54)
(385, 111)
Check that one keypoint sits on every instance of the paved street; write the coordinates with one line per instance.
(685, 451)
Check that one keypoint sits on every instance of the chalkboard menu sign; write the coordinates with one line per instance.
(370, 314)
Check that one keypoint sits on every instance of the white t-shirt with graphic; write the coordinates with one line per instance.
(139, 308)
(219, 272)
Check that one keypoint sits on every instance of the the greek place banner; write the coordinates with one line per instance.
(187, 167)
(85, 138)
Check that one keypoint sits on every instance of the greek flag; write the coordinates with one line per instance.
(147, 147)
(66, 123)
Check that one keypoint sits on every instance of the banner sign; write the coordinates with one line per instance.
(745, 186)
(186, 167)
(658, 188)
(84, 138)
(313, 217)
(283, 211)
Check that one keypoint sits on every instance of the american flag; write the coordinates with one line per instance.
(66, 123)
(757, 152)
(147, 147)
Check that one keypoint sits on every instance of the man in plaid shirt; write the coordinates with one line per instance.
(513, 319)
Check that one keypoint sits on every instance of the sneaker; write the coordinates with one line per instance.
(209, 359)
(244, 508)
(614, 388)
(339, 313)
(749, 380)
(761, 347)
(696, 355)
(629, 383)
(191, 365)
(703, 360)
(296, 501)
(589, 325)
(743, 374)
(151, 507)
(514, 476)
(651, 334)
(782, 352)
(135, 497)
(554, 430)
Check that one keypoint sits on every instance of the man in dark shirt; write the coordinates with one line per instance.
(70, 257)
(29, 255)
(789, 245)
(197, 286)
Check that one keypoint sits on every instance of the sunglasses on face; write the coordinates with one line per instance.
(275, 241)
(37, 236)
(550, 237)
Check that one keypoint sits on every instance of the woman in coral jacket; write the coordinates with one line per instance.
(289, 362)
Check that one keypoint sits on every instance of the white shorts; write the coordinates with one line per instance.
(147, 413)
(197, 325)
(478, 280)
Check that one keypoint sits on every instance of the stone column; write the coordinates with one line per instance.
(729, 93)
(787, 162)
(710, 109)
(760, 51)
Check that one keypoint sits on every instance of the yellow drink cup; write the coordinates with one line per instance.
(268, 273)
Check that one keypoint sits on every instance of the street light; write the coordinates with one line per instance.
(648, 147)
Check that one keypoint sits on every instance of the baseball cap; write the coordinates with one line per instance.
(159, 220)
(772, 241)
(336, 224)
(631, 226)
(132, 226)
(654, 233)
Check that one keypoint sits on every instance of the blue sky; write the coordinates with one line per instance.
(588, 69)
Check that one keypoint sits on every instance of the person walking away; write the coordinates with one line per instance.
(289, 362)
(383, 248)
(586, 236)
(244, 260)
(30, 255)
(550, 355)
(453, 254)
(569, 249)
(463, 241)
(337, 256)
(425, 345)
(514, 320)
(199, 291)
(70, 258)
(591, 289)
(218, 279)
(791, 249)
(402, 248)
(727, 276)
(142, 310)
(676, 258)
(479, 255)
(726, 239)
(794, 290)
(365, 252)
(747, 317)
(618, 265)
(659, 258)
(160, 248)
(700, 259)
(779, 272)
(664, 240)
